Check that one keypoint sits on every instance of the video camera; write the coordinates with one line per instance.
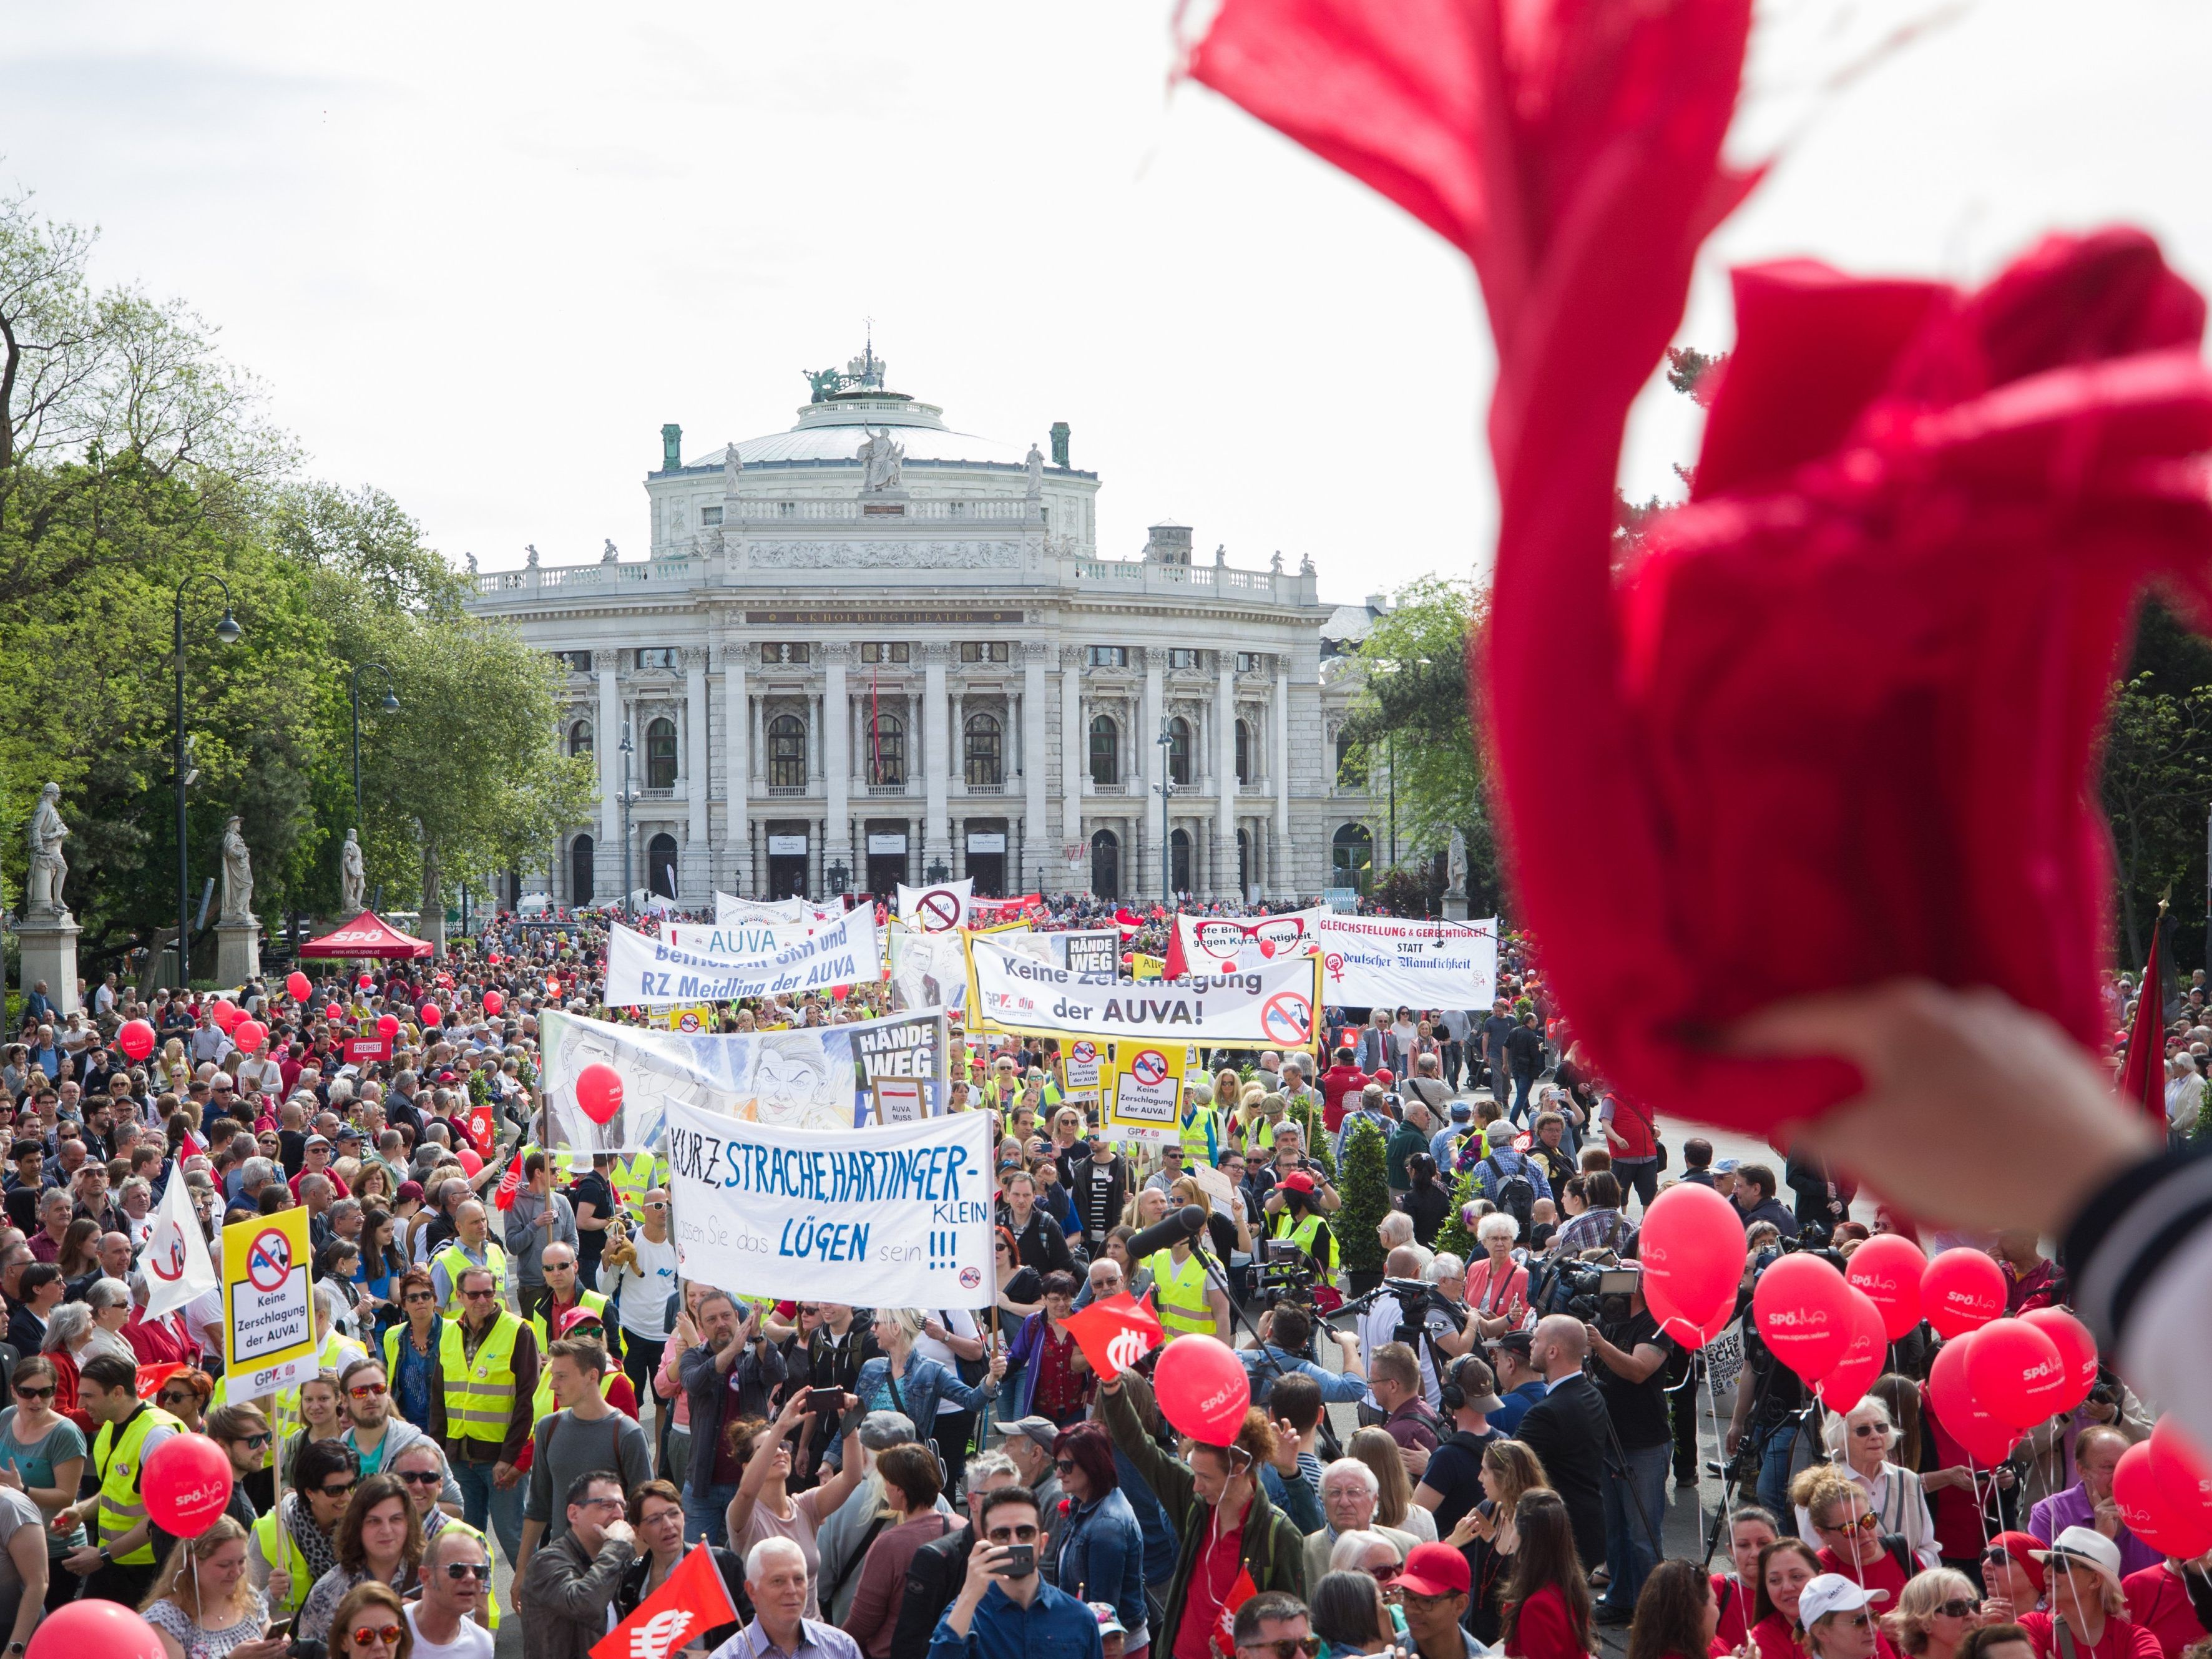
(1284, 1275)
(1593, 1292)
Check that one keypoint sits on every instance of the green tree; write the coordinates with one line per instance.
(2157, 783)
(1366, 1190)
(1454, 1237)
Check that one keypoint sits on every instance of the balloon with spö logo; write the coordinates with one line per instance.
(1844, 1387)
(1803, 1310)
(187, 1485)
(1202, 1389)
(1985, 1439)
(107, 1628)
(2016, 1373)
(1888, 1267)
(2168, 1519)
(1962, 1290)
(2076, 1346)
(1690, 1245)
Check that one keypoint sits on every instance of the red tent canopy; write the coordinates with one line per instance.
(367, 935)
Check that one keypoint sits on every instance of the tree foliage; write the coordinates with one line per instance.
(1366, 1188)
(134, 459)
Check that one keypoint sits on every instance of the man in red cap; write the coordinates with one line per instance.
(1433, 1587)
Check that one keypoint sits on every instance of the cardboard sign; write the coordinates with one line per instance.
(268, 1304)
(1145, 1097)
(899, 1100)
(1084, 1065)
(361, 1050)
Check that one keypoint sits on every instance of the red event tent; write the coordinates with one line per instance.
(367, 935)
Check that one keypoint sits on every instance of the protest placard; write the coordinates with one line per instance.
(268, 1304)
(1144, 1094)
(1273, 1006)
(642, 971)
(1372, 962)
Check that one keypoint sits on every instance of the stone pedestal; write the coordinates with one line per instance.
(48, 940)
(237, 950)
(1455, 906)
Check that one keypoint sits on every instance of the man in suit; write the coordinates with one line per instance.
(1567, 1430)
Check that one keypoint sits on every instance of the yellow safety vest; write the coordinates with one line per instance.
(455, 1261)
(280, 1549)
(541, 1403)
(1197, 1139)
(597, 1304)
(1183, 1305)
(480, 1393)
(121, 1505)
(1303, 1236)
(634, 1176)
(491, 1590)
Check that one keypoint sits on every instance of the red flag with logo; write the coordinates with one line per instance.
(480, 1123)
(1117, 1332)
(1224, 1630)
(509, 1184)
(694, 1598)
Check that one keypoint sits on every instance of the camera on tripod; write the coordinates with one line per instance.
(1284, 1275)
(1415, 1298)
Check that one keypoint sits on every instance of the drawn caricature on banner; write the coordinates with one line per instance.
(815, 1078)
(930, 971)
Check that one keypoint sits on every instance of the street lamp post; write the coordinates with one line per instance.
(1166, 742)
(226, 631)
(390, 706)
(627, 751)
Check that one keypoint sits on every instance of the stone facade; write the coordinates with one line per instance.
(828, 686)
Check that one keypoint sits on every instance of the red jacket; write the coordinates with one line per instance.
(1542, 1631)
(1336, 1082)
(2158, 1601)
(2121, 1640)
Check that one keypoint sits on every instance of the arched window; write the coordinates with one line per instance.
(580, 738)
(1105, 753)
(1106, 864)
(660, 864)
(1244, 748)
(1351, 857)
(660, 754)
(887, 752)
(787, 753)
(580, 871)
(1179, 752)
(1179, 861)
(983, 769)
(1350, 763)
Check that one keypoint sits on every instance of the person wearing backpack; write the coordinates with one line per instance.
(1513, 1180)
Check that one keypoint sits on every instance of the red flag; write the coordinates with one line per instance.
(694, 1598)
(1224, 1633)
(509, 1184)
(2144, 1078)
(480, 1124)
(1117, 1332)
(151, 1377)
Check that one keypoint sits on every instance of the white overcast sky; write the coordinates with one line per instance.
(480, 253)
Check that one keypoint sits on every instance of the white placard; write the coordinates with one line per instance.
(1237, 945)
(987, 841)
(938, 910)
(1371, 961)
(642, 971)
(894, 1216)
(1274, 1007)
(899, 1100)
(886, 844)
(780, 847)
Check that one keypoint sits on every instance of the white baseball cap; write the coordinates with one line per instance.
(1831, 1592)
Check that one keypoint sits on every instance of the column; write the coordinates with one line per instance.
(697, 866)
(813, 742)
(1148, 741)
(1225, 773)
(1036, 874)
(757, 770)
(956, 760)
(1074, 761)
(837, 760)
(1279, 744)
(935, 757)
(737, 770)
(606, 851)
(912, 748)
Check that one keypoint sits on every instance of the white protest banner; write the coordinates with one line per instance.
(1081, 1063)
(1274, 1007)
(1144, 1096)
(730, 912)
(815, 1077)
(1372, 962)
(927, 970)
(1095, 952)
(1237, 945)
(740, 941)
(938, 910)
(895, 1216)
(176, 1262)
(641, 971)
(268, 1304)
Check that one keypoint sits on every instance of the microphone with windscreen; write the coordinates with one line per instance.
(1188, 1222)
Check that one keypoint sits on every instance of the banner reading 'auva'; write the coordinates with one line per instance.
(641, 971)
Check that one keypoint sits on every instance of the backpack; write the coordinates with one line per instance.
(1514, 1193)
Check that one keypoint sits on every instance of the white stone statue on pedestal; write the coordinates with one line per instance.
(1455, 865)
(237, 875)
(879, 458)
(731, 466)
(1035, 464)
(48, 869)
(353, 880)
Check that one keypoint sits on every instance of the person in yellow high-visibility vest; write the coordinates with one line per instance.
(1189, 1301)
(1300, 1221)
(1196, 1130)
(634, 1174)
(421, 1467)
(327, 1472)
(119, 1564)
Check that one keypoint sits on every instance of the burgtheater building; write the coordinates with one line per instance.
(873, 649)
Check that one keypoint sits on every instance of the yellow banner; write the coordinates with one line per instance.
(268, 1304)
(1144, 967)
(1144, 1090)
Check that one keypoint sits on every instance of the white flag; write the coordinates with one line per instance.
(175, 1262)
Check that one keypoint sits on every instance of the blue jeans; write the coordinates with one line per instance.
(1524, 1084)
(1630, 1544)
(709, 1520)
(485, 1507)
(1778, 1450)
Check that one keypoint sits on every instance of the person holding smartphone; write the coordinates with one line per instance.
(1004, 1610)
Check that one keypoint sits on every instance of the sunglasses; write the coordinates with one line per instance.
(481, 1571)
(656, 1207)
(257, 1442)
(1960, 1609)
(346, 1491)
(1868, 1431)
(380, 1635)
(421, 1296)
(1290, 1647)
(1865, 1522)
(422, 1478)
(23, 1392)
(1063, 1464)
(479, 1296)
(176, 1397)
(1011, 1536)
(1855, 1621)
(368, 1391)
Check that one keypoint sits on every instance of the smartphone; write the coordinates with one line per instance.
(825, 1401)
(1020, 1562)
(281, 1630)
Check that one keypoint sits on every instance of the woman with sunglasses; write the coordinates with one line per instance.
(202, 1605)
(296, 1543)
(1934, 1616)
(379, 1539)
(2012, 1577)
(2088, 1616)
(42, 1455)
(1838, 1619)
(411, 1348)
(1852, 1542)
(1859, 1443)
(184, 1396)
(1101, 1544)
(656, 1515)
(371, 1623)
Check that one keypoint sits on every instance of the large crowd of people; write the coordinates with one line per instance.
(512, 1367)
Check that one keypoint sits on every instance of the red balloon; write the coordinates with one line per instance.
(107, 1628)
(493, 1002)
(1951, 1397)
(1862, 1361)
(135, 1039)
(2185, 1477)
(249, 1034)
(469, 1161)
(600, 1091)
(331, 1011)
(296, 986)
(225, 1013)
(365, 981)
(2076, 1346)
(2016, 1373)
(187, 1485)
(1202, 1390)
(427, 1013)
(1803, 1308)
(1888, 1267)
(1962, 1290)
(2170, 1520)
(388, 1026)
(1692, 1248)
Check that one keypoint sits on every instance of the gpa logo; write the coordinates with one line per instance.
(970, 1277)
